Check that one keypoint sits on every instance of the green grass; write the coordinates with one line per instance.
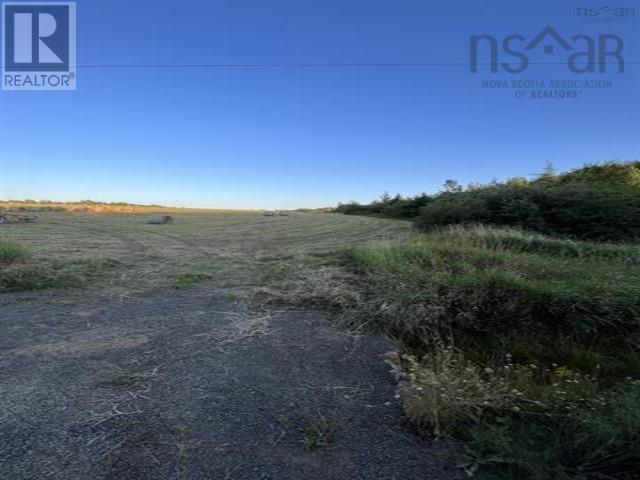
(515, 240)
(190, 279)
(123, 380)
(494, 295)
(21, 272)
(38, 274)
(525, 346)
(230, 247)
(11, 252)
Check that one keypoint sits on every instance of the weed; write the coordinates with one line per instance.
(176, 431)
(186, 280)
(123, 379)
(318, 432)
(232, 296)
(284, 420)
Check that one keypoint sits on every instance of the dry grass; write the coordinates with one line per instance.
(108, 208)
(223, 250)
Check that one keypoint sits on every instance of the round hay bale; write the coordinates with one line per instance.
(159, 219)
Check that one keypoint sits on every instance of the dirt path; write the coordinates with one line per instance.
(187, 385)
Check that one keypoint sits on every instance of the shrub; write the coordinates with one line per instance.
(596, 202)
(622, 174)
(582, 211)
(387, 206)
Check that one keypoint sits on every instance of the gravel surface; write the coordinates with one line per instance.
(190, 385)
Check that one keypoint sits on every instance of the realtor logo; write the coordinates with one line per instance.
(39, 46)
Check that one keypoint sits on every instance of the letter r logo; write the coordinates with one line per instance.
(36, 36)
(23, 38)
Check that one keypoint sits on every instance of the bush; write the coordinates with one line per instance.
(582, 211)
(621, 174)
(596, 202)
(387, 206)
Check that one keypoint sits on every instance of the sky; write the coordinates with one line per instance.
(308, 136)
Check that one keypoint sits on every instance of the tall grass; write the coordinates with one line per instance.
(517, 240)
(38, 274)
(513, 341)
(491, 290)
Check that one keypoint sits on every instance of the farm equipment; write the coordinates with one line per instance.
(14, 218)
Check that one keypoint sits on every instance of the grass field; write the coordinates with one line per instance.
(226, 250)
(514, 342)
(129, 379)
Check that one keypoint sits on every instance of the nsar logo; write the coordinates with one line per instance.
(606, 12)
(39, 46)
(584, 53)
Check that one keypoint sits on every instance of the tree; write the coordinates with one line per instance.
(451, 186)
(548, 175)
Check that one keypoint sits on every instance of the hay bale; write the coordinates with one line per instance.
(159, 219)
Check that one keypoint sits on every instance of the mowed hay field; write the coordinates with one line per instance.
(226, 250)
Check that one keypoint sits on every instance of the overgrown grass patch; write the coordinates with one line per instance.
(525, 346)
(310, 282)
(491, 299)
(11, 252)
(38, 273)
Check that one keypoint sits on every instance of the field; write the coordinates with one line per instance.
(136, 351)
(163, 341)
(226, 249)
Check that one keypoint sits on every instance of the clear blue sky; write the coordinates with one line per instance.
(305, 137)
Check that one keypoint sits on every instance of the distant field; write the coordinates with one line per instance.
(225, 249)
(38, 207)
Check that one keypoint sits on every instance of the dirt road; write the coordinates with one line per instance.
(187, 385)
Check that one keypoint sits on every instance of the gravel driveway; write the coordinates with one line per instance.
(190, 385)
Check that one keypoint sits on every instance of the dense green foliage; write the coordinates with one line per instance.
(387, 206)
(596, 202)
(586, 211)
(620, 174)
(527, 347)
